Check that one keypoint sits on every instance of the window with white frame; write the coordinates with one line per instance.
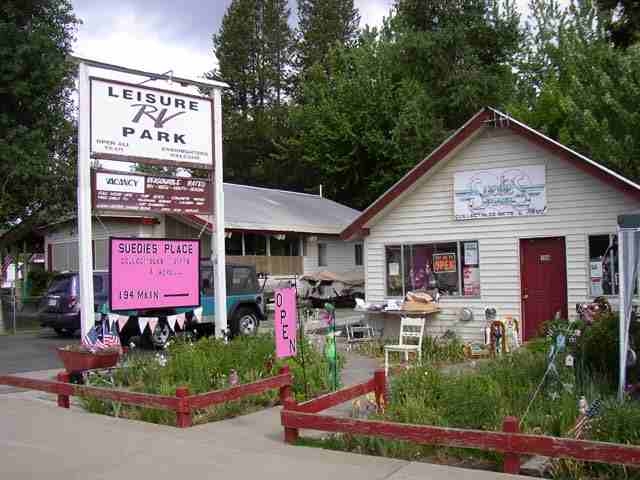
(322, 255)
(452, 268)
(603, 264)
(65, 257)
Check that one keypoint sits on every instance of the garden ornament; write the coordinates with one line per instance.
(330, 350)
(233, 378)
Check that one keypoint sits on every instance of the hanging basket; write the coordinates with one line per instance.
(78, 359)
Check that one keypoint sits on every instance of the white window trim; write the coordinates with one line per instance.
(443, 297)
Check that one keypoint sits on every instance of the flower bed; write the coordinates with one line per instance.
(208, 365)
(480, 398)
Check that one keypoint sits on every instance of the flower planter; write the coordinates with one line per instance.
(79, 360)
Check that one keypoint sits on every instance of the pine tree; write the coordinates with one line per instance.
(321, 24)
(254, 47)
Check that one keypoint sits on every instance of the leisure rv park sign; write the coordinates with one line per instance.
(143, 124)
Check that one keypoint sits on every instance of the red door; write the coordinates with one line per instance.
(543, 276)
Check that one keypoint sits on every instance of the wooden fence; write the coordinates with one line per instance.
(509, 441)
(182, 403)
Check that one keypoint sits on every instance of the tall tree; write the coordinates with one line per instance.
(254, 48)
(361, 128)
(623, 21)
(37, 159)
(586, 94)
(322, 24)
(461, 50)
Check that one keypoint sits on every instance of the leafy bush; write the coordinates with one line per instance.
(205, 366)
(40, 280)
(482, 397)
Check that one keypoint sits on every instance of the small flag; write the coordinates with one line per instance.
(122, 320)
(111, 338)
(91, 340)
(180, 320)
(152, 324)
(584, 421)
(142, 323)
(197, 313)
(171, 320)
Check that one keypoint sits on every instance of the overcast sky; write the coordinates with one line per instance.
(159, 35)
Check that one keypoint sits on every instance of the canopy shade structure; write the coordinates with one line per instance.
(628, 260)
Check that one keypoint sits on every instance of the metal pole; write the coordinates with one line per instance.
(85, 247)
(622, 316)
(13, 299)
(218, 255)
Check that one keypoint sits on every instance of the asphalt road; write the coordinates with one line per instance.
(26, 352)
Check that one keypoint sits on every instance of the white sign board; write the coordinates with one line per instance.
(500, 192)
(147, 125)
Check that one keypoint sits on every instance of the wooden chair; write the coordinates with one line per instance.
(410, 328)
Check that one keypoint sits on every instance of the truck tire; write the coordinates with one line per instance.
(160, 335)
(245, 322)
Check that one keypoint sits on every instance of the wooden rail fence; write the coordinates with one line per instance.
(182, 403)
(509, 441)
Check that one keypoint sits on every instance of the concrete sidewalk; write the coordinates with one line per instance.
(40, 440)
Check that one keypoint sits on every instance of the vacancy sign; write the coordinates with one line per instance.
(153, 273)
(142, 193)
(147, 125)
(285, 322)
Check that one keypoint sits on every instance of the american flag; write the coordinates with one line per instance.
(110, 337)
(92, 341)
(584, 421)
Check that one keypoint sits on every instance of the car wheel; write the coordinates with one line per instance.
(161, 334)
(245, 322)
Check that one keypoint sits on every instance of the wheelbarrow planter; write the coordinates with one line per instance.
(79, 360)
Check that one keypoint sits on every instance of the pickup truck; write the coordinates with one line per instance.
(245, 306)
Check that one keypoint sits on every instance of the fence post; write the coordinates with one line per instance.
(380, 380)
(63, 400)
(183, 412)
(511, 460)
(287, 400)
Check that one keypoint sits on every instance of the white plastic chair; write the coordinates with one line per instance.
(410, 328)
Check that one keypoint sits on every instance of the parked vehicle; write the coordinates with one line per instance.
(245, 306)
(61, 307)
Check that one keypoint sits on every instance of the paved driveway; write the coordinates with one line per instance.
(27, 352)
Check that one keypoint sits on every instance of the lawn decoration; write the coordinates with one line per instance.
(330, 350)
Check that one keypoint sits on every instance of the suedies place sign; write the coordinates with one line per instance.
(153, 273)
(500, 192)
(147, 125)
(143, 193)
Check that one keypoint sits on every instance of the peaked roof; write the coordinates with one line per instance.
(486, 116)
(266, 209)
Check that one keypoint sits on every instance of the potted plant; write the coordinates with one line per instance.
(77, 358)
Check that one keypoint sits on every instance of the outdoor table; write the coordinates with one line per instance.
(387, 322)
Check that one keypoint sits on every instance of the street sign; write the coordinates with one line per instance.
(143, 193)
(285, 322)
(142, 124)
(153, 273)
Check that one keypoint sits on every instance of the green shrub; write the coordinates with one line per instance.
(40, 280)
(204, 366)
(445, 349)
